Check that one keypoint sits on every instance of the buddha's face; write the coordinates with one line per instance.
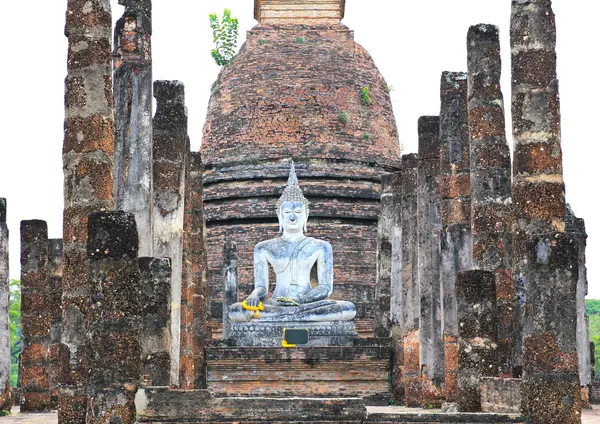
(293, 217)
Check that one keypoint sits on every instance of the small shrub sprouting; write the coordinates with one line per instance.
(365, 96)
(367, 136)
(343, 117)
(262, 41)
(299, 40)
(225, 33)
(215, 88)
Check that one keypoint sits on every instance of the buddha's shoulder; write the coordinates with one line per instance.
(325, 245)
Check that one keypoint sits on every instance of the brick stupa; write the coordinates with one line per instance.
(297, 90)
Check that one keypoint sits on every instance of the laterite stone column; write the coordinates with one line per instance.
(6, 400)
(477, 335)
(408, 347)
(195, 298)
(155, 338)
(388, 226)
(171, 145)
(133, 116)
(397, 294)
(454, 184)
(576, 227)
(546, 259)
(491, 208)
(88, 164)
(115, 318)
(230, 283)
(36, 315)
(54, 290)
(538, 186)
(429, 245)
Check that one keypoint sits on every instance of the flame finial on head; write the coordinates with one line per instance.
(293, 192)
(293, 178)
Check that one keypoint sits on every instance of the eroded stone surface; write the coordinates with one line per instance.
(88, 165)
(6, 400)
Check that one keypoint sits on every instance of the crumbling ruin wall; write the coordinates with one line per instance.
(87, 164)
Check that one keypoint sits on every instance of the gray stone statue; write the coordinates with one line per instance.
(303, 266)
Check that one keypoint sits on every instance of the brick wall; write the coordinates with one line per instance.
(361, 371)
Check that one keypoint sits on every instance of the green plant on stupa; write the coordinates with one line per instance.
(225, 34)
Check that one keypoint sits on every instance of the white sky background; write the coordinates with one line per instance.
(412, 42)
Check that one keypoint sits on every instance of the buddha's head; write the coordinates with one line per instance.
(292, 206)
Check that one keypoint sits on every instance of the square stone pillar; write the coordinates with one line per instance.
(6, 399)
(114, 323)
(454, 184)
(429, 248)
(408, 383)
(478, 353)
(491, 203)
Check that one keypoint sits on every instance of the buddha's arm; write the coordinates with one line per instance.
(325, 276)
(261, 277)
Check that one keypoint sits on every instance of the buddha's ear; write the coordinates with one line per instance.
(306, 220)
(279, 220)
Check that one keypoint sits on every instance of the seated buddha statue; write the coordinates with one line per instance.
(297, 260)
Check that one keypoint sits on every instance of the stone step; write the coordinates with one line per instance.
(162, 405)
(402, 415)
(159, 404)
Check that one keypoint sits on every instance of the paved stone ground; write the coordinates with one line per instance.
(588, 417)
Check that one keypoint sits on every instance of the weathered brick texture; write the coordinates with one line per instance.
(88, 165)
(311, 12)
(257, 120)
(306, 372)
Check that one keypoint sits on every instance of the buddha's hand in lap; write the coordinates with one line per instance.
(253, 301)
(284, 301)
